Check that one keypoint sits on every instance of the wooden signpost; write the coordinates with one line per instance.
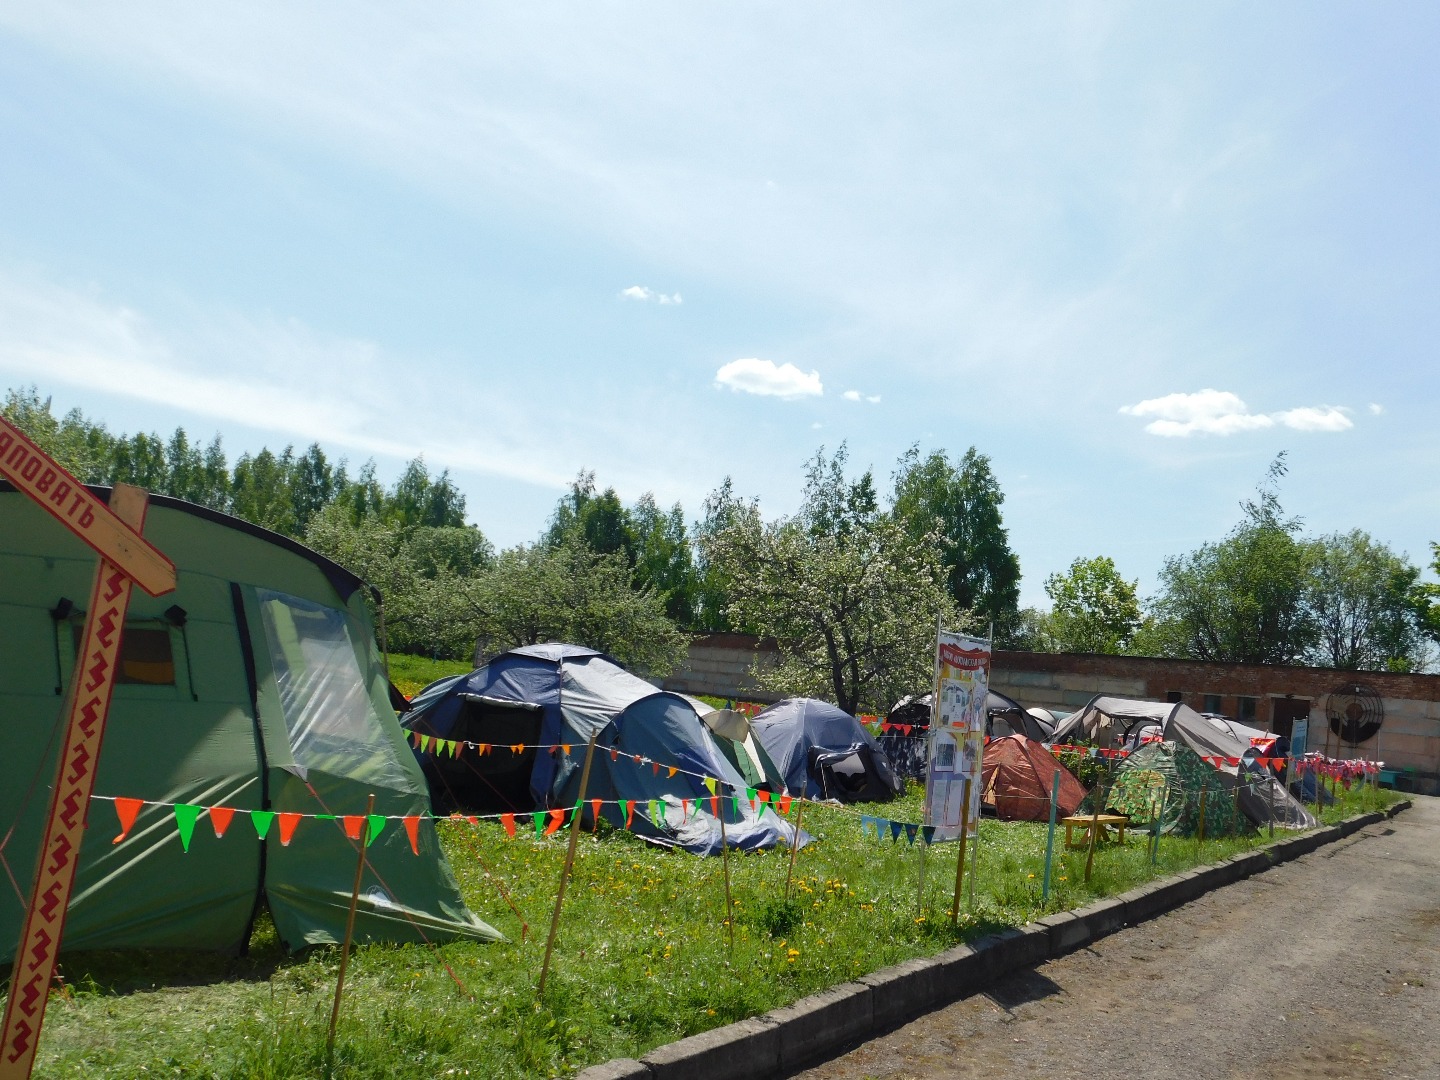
(125, 560)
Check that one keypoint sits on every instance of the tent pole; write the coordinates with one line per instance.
(1050, 841)
(960, 862)
(569, 860)
(349, 936)
(384, 642)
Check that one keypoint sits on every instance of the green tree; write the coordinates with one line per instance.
(1359, 594)
(569, 592)
(721, 511)
(851, 597)
(1095, 610)
(420, 499)
(1243, 599)
(598, 518)
(81, 445)
(664, 560)
(962, 502)
(260, 490)
(1425, 599)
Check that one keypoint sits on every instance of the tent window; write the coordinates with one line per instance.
(325, 699)
(147, 656)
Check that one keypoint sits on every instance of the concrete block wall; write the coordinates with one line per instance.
(721, 665)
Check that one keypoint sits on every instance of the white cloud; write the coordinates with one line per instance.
(851, 395)
(1219, 412)
(1376, 410)
(855, 395)
(1308, 418)
(763, 377)
(287, 378)
(873, 399)
(645, 294)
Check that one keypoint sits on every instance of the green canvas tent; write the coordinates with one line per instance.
(254, 686)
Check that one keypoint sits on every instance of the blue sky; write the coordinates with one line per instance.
(1129, 251)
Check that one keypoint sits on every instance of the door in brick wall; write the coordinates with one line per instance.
(1286, 712)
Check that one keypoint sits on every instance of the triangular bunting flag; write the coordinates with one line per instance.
(910, 831)
(412, 830)
(508, 820)
(895, 830)
(785, 804)
(673, 771)
(566, 748)
(288, 824)
(424, 744)
(928, 832)
(655, 767)
(595, 805)
(185, 818)
(614, 754)
(539, 817)
(710, 784)
(750, 795)
(261, 819)
(736, 800)
(482, 749)
(126, 810)
(220, 818)
(557, 818)
(517, 748)
(377, 826)
(715, 806)
(353, 822)
(628, 805)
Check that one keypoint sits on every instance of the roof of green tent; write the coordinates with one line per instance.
(254, 687)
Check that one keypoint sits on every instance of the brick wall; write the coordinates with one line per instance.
(720, 665)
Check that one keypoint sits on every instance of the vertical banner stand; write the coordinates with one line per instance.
(569, 860)
(960, 862)
(349, 935)
(126, 559)
(1050, 841)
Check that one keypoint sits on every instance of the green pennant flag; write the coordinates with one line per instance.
(185, 818)
(424, 744)
(324, 817)
(751, 794)
(377, 826)
(736, 800)
(261, 819)
(539, 817)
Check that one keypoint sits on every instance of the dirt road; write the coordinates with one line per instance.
(1323, 967)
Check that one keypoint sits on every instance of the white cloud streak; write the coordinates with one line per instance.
(766, 379)
(645, 294)
(1221, 413)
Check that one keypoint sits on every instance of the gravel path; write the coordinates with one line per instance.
(1323, 967)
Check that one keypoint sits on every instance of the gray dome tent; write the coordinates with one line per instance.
(556, 695)
(825, 753)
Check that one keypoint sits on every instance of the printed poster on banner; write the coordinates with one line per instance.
(957, 732)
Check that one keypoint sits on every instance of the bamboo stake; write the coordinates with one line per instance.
(569, 861)
(349, 935)
(1204, 791)
(725, 858)
(794, 846)
(960, 862)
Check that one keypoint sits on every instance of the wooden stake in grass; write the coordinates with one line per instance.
(569, 861)
(1103, 798)
(794, 847)
(960, 862)
(725, 858)
(349, 935)
(1204, 790)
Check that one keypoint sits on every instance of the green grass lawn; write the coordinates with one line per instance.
(643, 955)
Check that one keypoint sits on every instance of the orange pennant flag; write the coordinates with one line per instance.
(290, 822)
(412, 830)
(482, 749)
(655, 767)
(714, 806)
(472, 819)
(595, 809)
(566, 747)
(784, 804)
(220, 817)
(629, 805)
(126, 810)
(557, 818)
(517, 748)
(673, 770)
(353, 824)
(614, 754)
(508, 820)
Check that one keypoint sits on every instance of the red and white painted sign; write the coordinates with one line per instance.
(126, 559)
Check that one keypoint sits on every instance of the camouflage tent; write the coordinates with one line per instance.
(1166, 780)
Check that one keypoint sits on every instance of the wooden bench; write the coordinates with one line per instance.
(1102, 822)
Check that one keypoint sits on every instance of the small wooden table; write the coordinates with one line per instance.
(1103, 822)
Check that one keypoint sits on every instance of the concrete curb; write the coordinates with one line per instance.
(821, 1025)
